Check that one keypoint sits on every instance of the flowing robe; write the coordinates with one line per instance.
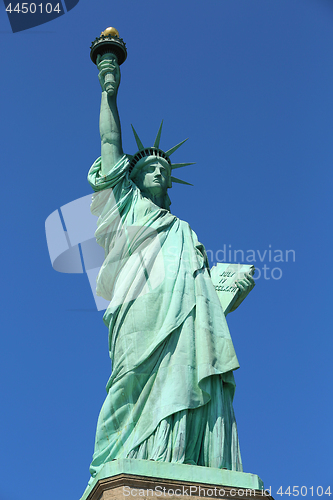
(170, 394)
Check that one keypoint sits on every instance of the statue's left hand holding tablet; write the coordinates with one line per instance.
(245, 285)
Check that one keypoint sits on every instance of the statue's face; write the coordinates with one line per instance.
(153, 178)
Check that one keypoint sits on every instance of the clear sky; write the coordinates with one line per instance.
(250, 82)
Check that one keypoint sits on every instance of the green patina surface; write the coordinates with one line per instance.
(169, 397)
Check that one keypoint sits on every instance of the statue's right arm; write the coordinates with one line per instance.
(109, 123)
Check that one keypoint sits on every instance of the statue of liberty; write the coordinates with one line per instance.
(170, 394)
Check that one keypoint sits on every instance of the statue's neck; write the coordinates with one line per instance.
(161, 201)
(157, 200)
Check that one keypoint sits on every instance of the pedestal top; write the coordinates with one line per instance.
(175, 473)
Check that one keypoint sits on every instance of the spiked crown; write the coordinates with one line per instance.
(136, 162)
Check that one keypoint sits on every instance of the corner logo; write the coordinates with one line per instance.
(25, 15)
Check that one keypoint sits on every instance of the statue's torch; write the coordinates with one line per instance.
(109, 43)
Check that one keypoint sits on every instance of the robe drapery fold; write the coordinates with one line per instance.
(171, 389)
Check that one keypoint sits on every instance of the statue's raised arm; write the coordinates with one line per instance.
(108, 52)
(109, 123)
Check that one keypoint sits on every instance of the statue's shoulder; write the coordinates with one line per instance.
(103, 178)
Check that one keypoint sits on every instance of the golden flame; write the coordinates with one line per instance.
(110, 31)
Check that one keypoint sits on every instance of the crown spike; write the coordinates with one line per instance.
(179, 181)
(172, 150)
(138, 142)
(158, 137)
(180, 165)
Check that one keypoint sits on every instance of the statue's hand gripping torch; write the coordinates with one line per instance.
(109, 73)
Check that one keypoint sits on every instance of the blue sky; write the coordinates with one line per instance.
(250, 82)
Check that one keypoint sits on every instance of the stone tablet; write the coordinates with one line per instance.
(224, 276)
